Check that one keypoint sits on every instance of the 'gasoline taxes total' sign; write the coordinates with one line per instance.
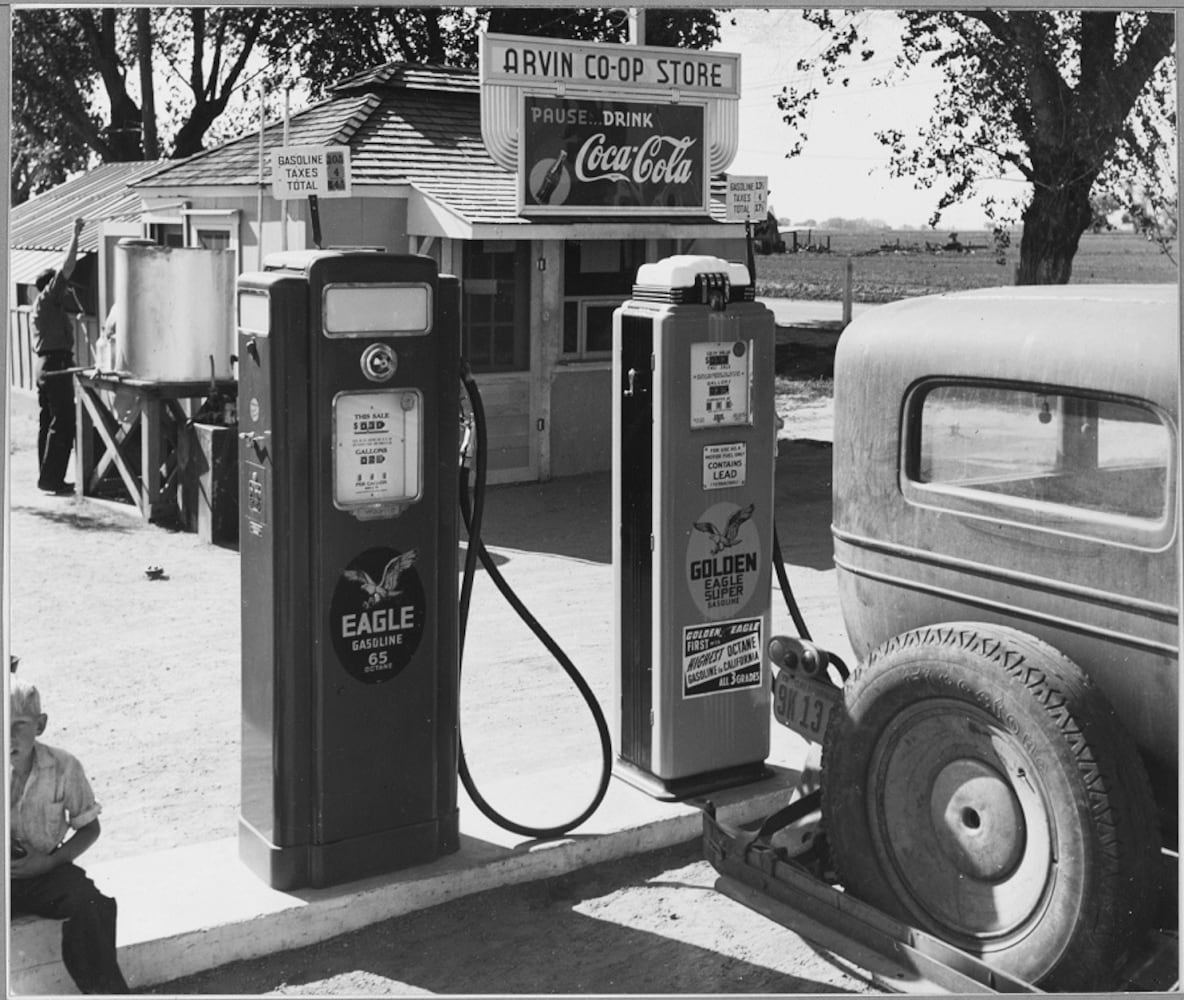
(300, 171)
(747, 198)
(590, 157)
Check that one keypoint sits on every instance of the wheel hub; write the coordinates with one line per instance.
(977, 820)
(962, 830)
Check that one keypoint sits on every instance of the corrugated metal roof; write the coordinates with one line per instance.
(44, 222)
(404, 123)
(25, 265)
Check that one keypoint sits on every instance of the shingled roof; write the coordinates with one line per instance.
(405, 123)
(331, 123)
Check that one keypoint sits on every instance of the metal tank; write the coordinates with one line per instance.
(174, 311)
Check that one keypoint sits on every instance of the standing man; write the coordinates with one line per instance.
(53, 340)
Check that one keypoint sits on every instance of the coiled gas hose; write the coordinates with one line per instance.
(472, 515)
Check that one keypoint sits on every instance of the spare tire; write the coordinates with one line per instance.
(979, 786)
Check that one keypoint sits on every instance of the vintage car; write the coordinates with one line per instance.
(1006, 539)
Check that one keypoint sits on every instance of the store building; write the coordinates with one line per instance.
(539, 287)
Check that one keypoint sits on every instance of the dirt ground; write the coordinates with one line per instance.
(651, 924)
(141, 679)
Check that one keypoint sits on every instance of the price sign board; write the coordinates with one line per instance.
(747, 198)
(304, 171)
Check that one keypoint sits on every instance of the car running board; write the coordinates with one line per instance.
(898, 957)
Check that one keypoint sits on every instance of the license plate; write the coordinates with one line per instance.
(804, 704)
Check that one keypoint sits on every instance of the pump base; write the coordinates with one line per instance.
(317, 866)
(678, 789)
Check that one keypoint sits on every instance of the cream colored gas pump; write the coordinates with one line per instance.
(694, 443)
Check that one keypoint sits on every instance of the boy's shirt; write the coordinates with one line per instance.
(57, 798)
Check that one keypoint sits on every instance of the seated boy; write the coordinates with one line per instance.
(49, 798)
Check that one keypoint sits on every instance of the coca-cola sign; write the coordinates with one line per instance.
(588, 157)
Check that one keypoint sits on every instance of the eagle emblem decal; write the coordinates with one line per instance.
(386, 589)
(730, 535)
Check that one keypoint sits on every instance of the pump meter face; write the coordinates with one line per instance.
(721, 384)
(377, 457)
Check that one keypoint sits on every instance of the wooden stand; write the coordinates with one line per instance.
(147, 442)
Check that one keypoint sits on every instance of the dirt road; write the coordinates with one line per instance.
(650, 924)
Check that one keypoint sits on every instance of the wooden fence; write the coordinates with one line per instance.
(22, 362)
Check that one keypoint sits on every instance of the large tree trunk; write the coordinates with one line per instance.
(124, 135)
(1054, 221)
(147, 90)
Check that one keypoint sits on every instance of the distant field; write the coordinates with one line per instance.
(879, 276)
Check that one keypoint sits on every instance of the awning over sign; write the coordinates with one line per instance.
(475, 214)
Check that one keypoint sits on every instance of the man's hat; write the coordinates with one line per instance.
(45, 277)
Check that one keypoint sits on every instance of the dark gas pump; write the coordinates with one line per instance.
(349, 478)
(353, 617)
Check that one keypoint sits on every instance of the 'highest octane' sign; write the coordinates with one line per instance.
(593, 157)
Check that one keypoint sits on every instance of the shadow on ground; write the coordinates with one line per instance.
(526, 939)
(70, 515)
(523, 516)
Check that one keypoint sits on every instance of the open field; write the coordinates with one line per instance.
(884, 276)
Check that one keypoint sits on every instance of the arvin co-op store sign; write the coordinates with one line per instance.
(600, 130)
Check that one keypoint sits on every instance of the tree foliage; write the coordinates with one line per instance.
(1079, 103)
(119, 83)
(322, 46)
(57, 56)
(84, 87)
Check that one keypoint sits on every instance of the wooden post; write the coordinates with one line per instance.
(636, 25)
(847, 272)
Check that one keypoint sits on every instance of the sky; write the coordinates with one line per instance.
(843, 170)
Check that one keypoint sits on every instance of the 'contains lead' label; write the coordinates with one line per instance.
(377, 614)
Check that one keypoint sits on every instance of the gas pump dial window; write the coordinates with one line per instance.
(396, 310)
(377, 448)
(253, 312)
(721, 384)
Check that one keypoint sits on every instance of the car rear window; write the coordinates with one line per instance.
(1037, 448)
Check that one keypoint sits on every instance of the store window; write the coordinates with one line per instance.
(598, 276)
(205, 229)
(211, 239)
(496, 308)
(167, 234)
(212, 229)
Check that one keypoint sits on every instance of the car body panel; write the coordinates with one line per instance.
(946, 510)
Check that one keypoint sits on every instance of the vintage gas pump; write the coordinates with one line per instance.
(694, 439)
(349, 476)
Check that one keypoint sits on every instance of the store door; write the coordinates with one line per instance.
(496, 340)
